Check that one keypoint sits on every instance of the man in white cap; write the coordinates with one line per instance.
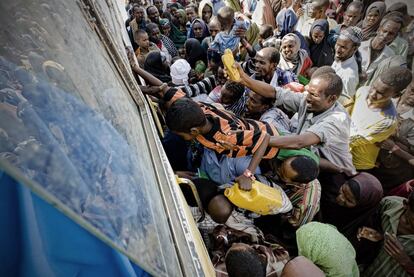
(345, 64)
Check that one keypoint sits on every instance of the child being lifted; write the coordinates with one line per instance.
(222, 131)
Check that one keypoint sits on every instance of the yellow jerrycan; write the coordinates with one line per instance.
(261, 199)
(228, 61)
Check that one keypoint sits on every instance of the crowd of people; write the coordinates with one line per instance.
(323, 112)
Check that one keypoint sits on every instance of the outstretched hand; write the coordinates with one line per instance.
(243, 75)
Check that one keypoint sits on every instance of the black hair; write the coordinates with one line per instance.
(355, 188)
(149, 7)
(275, 57)
(334, 83)
(267, 101)
(322, 70)
(139, 32)
(268, 31)
(244, 263)
(396, 17)
(151, 26)
(236, 88)
(356, 4)
(306, 168)
(396, 77)
(184, 114)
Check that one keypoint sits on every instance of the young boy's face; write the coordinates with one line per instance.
(191, 14)
(181, 52)
(143, 41)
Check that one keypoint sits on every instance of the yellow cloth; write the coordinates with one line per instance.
(369, 127)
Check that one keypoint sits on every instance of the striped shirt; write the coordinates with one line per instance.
(391, 209)
(204, 86)
(245, 134)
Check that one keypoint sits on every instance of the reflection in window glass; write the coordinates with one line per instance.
(68, 124)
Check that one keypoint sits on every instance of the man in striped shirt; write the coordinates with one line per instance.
(395, 258)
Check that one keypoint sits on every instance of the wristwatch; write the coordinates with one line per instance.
(249, 174)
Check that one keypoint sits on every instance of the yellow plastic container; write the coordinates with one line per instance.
(261, 199)
(228, 62)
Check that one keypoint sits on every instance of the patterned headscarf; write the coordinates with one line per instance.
(353, 33)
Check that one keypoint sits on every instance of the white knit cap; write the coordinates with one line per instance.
(179, 72)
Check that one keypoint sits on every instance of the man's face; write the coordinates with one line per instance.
(158, 4)
(214, 29)
(191, 15)
(344, 49)
(155, 35)
(317, 35)
(198, 30)
(143, 41)
(207, 13)
(351, 16)
(316, 100)
(138, 14)
(380, 93)
(264, 68)
(315, 11)
(154, 15)
(288, 47)
(386, 34)
(345, 197)
(254, 104)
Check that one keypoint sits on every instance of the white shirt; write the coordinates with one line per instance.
(348, 71)
(306, 27)
(370, 66)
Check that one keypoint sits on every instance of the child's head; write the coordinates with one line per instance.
(214, 26)
(181, 52)
(191, 13)
(142, 39)
(225, 16)
(219, 208)
(298, 169)
(185, 118)
(221, 77)
(243, 261)
(231, 92)
(265, 32)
